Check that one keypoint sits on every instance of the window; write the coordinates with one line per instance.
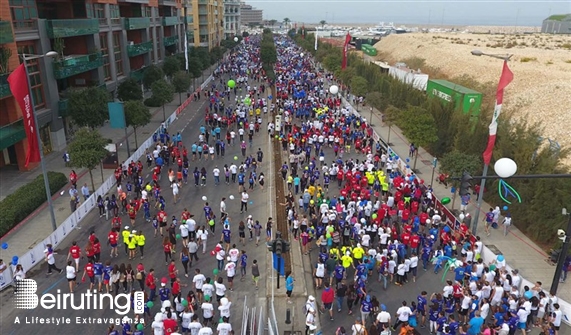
(117, 52)
(105, 54)
(34, 75)
(114, 10)
(24, 13)
(147, 11)
(99, 11)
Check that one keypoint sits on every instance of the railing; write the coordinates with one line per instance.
(205, 2)
(170, 40)
(132, 23)
(77, 64)
(139, 49)
(203, 21)
(170, 20)
(72, 27)
(24, 25)
(102, 21)
(4, 86)
(203, 11)
(115, 21)
(11, 134)
(6, 35)
(157, 19)
(203, 31)
(188, 20)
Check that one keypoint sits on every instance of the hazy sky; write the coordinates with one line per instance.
(458, 12)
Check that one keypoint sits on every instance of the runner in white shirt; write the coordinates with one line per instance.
(224, 328)
(205, 331)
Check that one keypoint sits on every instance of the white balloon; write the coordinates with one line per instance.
(224, 301)
(334, 89)
(301, 54)
(231, 197)
(204, 198)
(505, 167)
(235, 39)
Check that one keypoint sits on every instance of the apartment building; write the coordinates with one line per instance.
(99, 42)
(231, 18)
(205, 21)
(250, 15)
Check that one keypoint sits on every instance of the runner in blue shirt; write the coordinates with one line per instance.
(453, 325)
(459, 274)
(164, 292)
(422, 307)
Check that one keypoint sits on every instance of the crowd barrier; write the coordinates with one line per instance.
(36, 255)
(452, 221)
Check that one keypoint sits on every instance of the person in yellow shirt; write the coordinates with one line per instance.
(141, 243)
(358, 253)
(132, 243)
(347, 260)
(125, 234)
(311, 190)
(334, 252)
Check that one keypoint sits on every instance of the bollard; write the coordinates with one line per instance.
(288, 316)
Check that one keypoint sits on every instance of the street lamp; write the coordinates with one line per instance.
(25, 58)
(565, 236)
(505, 58)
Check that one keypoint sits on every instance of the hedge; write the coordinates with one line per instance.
(152, 102)
(25, 200)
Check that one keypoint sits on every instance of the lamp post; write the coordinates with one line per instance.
(506, 58)
(565, 236)
(25, 58)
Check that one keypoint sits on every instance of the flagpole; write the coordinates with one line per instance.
(505, 58)
(39, 139)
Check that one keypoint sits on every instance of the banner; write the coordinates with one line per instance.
(186, 49)
(345, 49)
(18, 81)
(505, 79)
(316, 37)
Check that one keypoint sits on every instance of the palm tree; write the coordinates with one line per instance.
(322, 23)
(273, 22)
(287, 21)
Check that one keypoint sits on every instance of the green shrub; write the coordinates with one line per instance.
(25, 200)
(152, 102)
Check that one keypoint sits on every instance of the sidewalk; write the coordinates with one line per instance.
(519, 251)
(37, 226)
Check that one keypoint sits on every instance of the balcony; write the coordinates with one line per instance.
(138, 74)
(4, 86)
(203, 31)
(203, 21)
(171, 40)
(203, 11)
(72, 65)
(167, 3)
(170, 20)
(72, 27)
(6, 35)
(62, 105)
(11, 134)
(188, 20)
(132, 23)
(139, 49)
(205, 2)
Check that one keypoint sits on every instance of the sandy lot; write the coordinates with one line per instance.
(541, 90)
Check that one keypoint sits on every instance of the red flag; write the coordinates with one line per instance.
(18, 82)
(345, 49)
(505, 79)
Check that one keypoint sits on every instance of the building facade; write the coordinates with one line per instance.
(250, 15)
(557, 24)
(99, 42)
(231, 18)
(205, 22)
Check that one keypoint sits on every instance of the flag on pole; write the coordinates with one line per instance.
(186, 49)
(345, 49)
(316, 36)
(18, 81)
(505, 79)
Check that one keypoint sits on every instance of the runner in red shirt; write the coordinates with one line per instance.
(132, 211)
(170, 325)
(88, 269)
(172, 272)
(92, 236)
(176, 287)
(185, 215)
(90, 252)
(405, 238)
(112, 239)
(414, 242)
(116, 222)
(75, 253)
(97, 250)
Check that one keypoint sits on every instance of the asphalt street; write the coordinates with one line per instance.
(190, 197)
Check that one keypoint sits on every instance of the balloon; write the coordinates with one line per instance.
(396, 157)
(164, 280)
(334, 89)
(207, 297)
(140, 327)
(447, 229)
(235, 158)
(528, 295)
(150, 304)
(231, 83)
(422, 181)
(445, 201)
(407, 159)
(277, 137)
(212, 253)
(374, 216)
(408, 167)
(215, 272)
(15, 259)
(500, 258)
(4, 245)
(178, 236)
(236, 39)
(251, 202)
(231, 197)
(505, 208)
(204, 198)
(328, 235)
(301, 54)
(184, 303)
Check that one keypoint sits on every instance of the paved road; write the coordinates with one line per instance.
(189, 122)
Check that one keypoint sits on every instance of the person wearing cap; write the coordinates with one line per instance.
(132, 244)
(310, 320)
(384, 318)
(50, 259)
(125, 235)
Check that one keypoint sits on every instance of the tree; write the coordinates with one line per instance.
(88, 106)
(162, 93)
(376, 100)
(322, 23)
(129, 90)
(273, 22)
(152, 74)
(419, 127)
(455, 163)
(181, 83)
(245, 34)
(286, 21)
(171, 66)
(87, 150)
(359, 86)
(136, 115)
